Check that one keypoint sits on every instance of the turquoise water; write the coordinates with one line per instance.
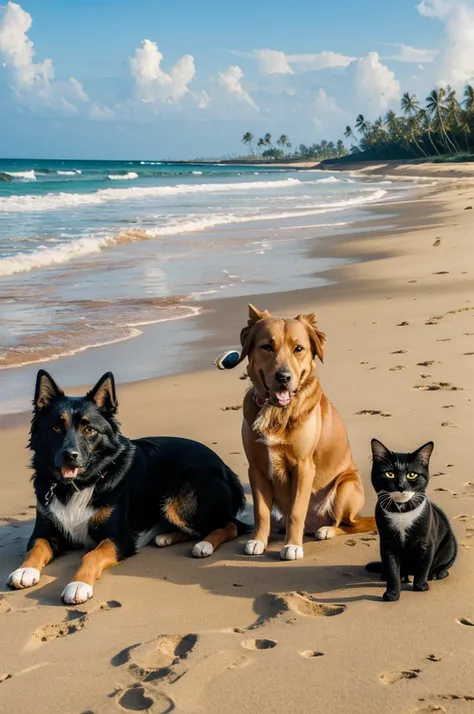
(92, 250)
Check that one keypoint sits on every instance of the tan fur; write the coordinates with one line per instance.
(101, 516)
(222, 535)
(40, 555)
(299, 455)
(95, 562)
(180, 509)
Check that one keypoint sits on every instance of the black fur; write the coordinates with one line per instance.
(426, 548)
(134, 478)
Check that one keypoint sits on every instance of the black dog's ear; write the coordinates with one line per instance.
(46, 390)
(423, 453)
(379, 451)
(103, 394)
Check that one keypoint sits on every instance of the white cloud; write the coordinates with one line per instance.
(324, 102)
(34, 82)
(202, 98)
(231, 81)
(456, 59)
(100, 112)
(272, 62)
(277, 62)
(154, 84)
(374, 83)
(411, 54)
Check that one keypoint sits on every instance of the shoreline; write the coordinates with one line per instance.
(340, 244)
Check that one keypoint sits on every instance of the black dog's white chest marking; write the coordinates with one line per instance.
(73, 517)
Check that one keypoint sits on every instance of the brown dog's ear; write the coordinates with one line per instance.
(255, 315)
(317, 338)
(248, 333)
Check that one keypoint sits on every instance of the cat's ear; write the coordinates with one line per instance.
(423, 453)
(379, 451)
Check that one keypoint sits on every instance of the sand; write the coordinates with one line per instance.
(228, 634)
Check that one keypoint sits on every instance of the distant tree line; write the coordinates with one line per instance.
(317, 152)
(442, 127)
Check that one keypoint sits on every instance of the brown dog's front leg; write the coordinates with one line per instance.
(262, 492)
(81, 589)
(301, 482)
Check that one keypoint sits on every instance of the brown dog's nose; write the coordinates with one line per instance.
(282, 376)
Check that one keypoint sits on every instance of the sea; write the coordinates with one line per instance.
(91, 251)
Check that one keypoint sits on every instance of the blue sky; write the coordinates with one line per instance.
(149, 78)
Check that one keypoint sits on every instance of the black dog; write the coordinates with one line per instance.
(96, 488)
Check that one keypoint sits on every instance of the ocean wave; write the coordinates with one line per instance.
(73, 172)
(123, 177)
(22, 175)
(329, 179)
(46, 257)
(197, 173)
(59, 201)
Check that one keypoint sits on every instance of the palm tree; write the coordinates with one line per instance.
(469, 98)
(261, 143)
(284, 141)
(409, 104)
(436, 107)
(348, 133)
(268, 140)
(362, 125)
(425, 123)
(247, 140)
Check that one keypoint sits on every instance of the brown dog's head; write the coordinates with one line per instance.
(281, 353)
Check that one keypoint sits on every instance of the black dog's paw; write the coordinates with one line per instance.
(390, 596)
(421, 587)
(440, 575)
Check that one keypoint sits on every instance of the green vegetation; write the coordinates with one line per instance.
(315, 152)
(441, 130)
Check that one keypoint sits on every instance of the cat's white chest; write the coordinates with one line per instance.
(402, 522)
(73, 517)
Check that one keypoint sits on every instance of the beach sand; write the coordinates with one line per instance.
(166, 632)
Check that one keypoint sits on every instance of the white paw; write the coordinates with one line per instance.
(163, 540)
(325, 533)
(23, 578)
(291, 552)
(203, 549)
(254, 547)
(77, 592)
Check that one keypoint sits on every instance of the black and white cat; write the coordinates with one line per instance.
(415, 535)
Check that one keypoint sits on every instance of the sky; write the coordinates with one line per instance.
(157, 79)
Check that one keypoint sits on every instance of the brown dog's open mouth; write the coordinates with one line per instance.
(283, 397)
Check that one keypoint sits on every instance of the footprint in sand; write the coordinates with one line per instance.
(396, 368)
(138, 699)
(398, 676)
(232, 408)
(450, 423)
(466, 622)
(259, 644)
(75, 621)
(426, 708)
(428, 363)
(280, 605)
(159, 659)
(308, 654)
(372, 412)
(4, 606)
(433, 658)
(404, 323)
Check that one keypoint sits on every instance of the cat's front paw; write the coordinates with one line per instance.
(390, 596)
(421, 587)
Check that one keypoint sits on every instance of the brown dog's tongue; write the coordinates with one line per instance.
(68, 472)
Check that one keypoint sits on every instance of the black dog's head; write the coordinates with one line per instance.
(73, 438)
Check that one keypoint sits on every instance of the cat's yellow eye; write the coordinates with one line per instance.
(389, 474)
(57, 428)
(411, 476)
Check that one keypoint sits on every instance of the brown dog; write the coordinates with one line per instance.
(298, 451)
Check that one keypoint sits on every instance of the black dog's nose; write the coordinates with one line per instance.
(70, 455)
(283, 377)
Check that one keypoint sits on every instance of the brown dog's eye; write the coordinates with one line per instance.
(57, 428)
(88, 431)
(267, 348)
(298, 349)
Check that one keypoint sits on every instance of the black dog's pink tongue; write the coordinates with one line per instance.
(68, 472)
